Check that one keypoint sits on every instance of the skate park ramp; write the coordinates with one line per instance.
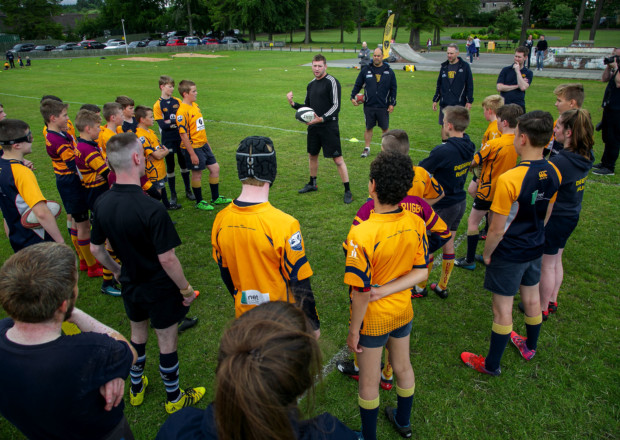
(405, 52)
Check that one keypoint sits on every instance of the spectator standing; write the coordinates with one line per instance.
(364, 55)
(610, 123)
(541, 51)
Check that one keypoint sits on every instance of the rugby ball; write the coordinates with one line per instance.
(359, 98)
(304, 114)
(30, 221)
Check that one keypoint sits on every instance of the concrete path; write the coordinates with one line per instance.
(488, 63)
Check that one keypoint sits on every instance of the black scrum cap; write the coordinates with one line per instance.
(256, 158)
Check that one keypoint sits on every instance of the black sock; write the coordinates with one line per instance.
(472, 243)
(346, 187)
(185, 177)
(164, 197)
(197, 193)
(313, 181)
(172, 185)
(215, 190)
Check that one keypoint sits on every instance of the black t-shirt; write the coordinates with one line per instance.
(323, 96)
(139, 229)
(51, 391)
(542, 45)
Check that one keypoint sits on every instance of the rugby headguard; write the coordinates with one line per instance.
(256, 158)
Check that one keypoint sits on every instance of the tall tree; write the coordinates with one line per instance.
(139, 15)
(525, 24)
(507, 23)
(596, 19)
(582, 11)
(31, 19)
(308, 38)
(343, 12)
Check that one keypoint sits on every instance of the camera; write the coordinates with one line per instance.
(612, 59)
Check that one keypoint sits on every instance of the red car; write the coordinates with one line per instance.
(174, 41)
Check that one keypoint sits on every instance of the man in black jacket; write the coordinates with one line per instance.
(379, 82)
(455, 84)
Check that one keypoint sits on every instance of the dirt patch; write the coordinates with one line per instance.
(198, 55)
(147, 59)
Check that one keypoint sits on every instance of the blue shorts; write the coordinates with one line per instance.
(380, 341)
(504, 277)
(205, 157)
(557, 231)
(72, 194)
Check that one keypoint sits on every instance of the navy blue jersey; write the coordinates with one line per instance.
(508, 77)
(449, 163)
(166, 110)
(523, 194)
(574, 169)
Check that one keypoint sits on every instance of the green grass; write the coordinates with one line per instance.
(331, 37)
(568, 391)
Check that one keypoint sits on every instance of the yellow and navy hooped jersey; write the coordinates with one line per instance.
(191, 122)
(424, 185)
(19, 191)
(61, 148)
(492, 132)
(523, 194)
(385, 247)
(496, 157)
(155, 168)
(166, 110)
(91, 164)
(263, 249)
(104, 136)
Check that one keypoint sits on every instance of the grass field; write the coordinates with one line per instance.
(570, 390)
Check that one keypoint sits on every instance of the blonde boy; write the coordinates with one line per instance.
(113, 114)
(196, 149)
(154, 153)
(568, 97)
(165, 114)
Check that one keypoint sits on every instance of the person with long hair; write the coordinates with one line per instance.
(575, 130)
(268, 358)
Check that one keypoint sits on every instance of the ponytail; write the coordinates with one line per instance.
(582, 137)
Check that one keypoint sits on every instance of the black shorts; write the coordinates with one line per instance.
(452, 214)
(376, 116)
(482, 205)
(163, 311)
(92, 194)
(504, 277)
(557, 231)
(173, 145)
(326, 135)
(72, 194)
(205, 157)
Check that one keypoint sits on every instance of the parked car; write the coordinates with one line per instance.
(22, 47)
(112, 40)
(231, 41)
(67, 46)
(156, 43)
(192, 41)
(178, 34)
(92, 44)
(115, 45)
(207, 40)
(176, 41)
(43, 48)
(137, 44)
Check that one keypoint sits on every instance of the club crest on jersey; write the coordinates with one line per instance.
(295, 241)
(142, 139)
(180, 118)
